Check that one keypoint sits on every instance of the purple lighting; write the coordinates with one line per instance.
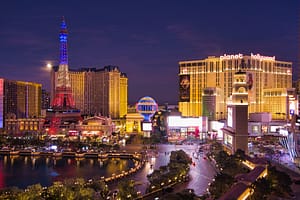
(63, 35)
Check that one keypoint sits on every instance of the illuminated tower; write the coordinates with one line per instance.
(63, 99)
(63, 116)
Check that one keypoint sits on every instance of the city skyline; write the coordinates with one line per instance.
(146, 40)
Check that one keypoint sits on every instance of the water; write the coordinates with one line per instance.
(22, 171)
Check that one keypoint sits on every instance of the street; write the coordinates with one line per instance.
(201, 171)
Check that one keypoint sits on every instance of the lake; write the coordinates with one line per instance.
(22, 171)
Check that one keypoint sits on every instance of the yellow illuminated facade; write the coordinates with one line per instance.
(133, 123)
(123, 95)
(280, 102)
(98, 91)
(15, 126)
(21, 106)
(79, 83)
(263, 72)
(96, 126)
(23, 99)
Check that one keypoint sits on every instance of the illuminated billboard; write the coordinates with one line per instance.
(292, 107)
(188, 122)
(184, 88)
(229, 116)
(177, 121)
(275, 129)
(146, 126)
(228, 140)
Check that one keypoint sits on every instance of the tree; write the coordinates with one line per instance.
(126, 190)
(221, 158)
(10, 193)
(231, 164)
(176, 170)
(78, 189)
(240, 155)
(222, 183)
(84, 193)
(280, 182)
(261, 188)
(57, 191)
(180, 157)
(186, 194)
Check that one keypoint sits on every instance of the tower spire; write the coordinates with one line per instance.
(63, 37)
(63, 93)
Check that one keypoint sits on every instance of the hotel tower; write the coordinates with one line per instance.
(92, 91)
(205, 86)
(98, 90)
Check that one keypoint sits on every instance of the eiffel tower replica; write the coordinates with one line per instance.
(63, 115)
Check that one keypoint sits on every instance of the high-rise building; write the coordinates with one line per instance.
(263, 72)
(19, 99)
(45, 99)
(98, 91)
(22, 98)
(212, 101)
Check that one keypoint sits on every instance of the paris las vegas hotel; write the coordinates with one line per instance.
(205, 86)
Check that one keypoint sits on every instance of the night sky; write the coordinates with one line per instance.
(146, 39)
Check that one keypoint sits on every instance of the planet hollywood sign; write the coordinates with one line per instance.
(253, 56)
(262, 58)
(233, 56)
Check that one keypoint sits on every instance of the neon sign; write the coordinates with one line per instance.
(233, 56)
(262, 58)
(253, 56)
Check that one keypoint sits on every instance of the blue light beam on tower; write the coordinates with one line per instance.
(63, 35)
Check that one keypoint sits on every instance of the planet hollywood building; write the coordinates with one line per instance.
(205, 86)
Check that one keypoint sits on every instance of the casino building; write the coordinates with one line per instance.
(97, 90)
(20, 106)
(206, 85)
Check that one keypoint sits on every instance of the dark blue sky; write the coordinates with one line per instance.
(146, 39)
